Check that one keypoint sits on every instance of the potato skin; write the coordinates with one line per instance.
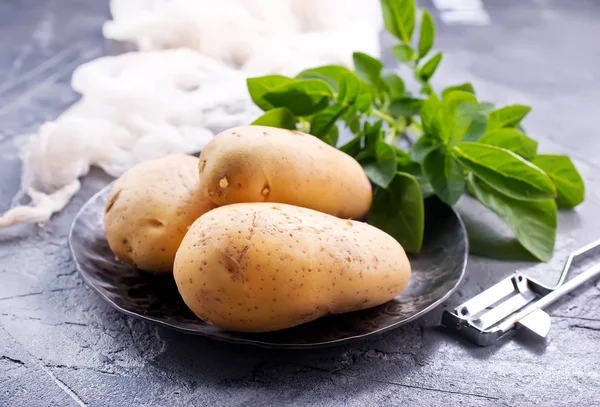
(266, 164)
(259, 267)
(149, 209)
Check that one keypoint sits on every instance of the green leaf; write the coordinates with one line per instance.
(402, 157)
(349, 89)
(405, 54)
(426, 35)
(415, 169)
(505, 171)
(260, 86)
(367, 67)
(513, 140)
(302, 96)
(476, 128)
(424, 145)
(444, 174)
(373, 133)
(352, 119)
(382, 169)
(508, 116)
(429, 115)
(352, 147)
(363, 102)
(489, 235)
(486, 107)
(395, 84)
(332, 136)
(456, 114)
(332, 74)
(405, 107)
(569, 185)
(398, 210)
(429, 67)
(465, 87)
(534, 223)
(322, 122)
(399, 18)
(278, 117)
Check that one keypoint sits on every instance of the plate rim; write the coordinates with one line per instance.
(253, 342)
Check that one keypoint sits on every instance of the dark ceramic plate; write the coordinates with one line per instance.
(437, 271)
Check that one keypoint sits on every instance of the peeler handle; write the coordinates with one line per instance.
(568, 286)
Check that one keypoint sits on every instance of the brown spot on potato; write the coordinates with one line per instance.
(155, 223)
(112, 201)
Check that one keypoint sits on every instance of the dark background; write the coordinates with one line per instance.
(61, 345)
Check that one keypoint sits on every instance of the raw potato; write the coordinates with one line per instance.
(266, 164)
(149, 210)
(258, 267)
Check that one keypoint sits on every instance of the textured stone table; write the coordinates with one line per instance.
(61, 345)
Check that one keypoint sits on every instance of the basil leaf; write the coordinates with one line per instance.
(322, 122)
(373, 133)
(395, 84)
(513, 140)
(429, 67)
(278, 117)
(363, 102)
(302, 96)
(332, 74)
(352, 147)
(349, 88)
(424, 145)
(427, 34)
(332, 136)
(352, 119)
(369, 69)
(260, 86)
(465, 87)
(444, 174)
(508, 116)
(569, 185)
(488, 234)
(505, 171)
(429, 115)
(398, 210)
(402, 157)
(416, 171)
(486, 107)
(382, 169)
(405, 54)
(456, 114)
(399, 18)
(533, 223)
(405, 107)
(476, 128)
(366, 66)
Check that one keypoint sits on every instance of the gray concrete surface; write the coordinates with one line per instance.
(61, 345)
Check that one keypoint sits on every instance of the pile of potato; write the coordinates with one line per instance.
(257, 231)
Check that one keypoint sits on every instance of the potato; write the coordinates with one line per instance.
(258, 267)
(149, 209)
(265, 164)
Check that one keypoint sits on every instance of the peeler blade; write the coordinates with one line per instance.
(516, 302)
(537, 322)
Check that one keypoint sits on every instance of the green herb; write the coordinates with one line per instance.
(457, 143)
(279, 117)
(401, 212)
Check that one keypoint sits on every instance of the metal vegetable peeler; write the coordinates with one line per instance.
(514, 303)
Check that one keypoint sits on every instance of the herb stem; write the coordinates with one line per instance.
(385, 117)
